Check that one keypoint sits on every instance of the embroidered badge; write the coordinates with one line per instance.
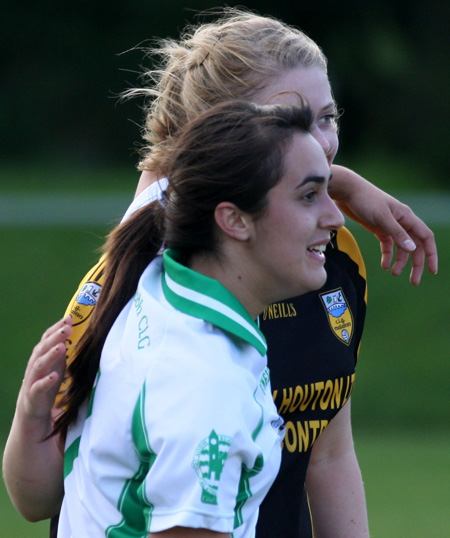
(208, 462)
(339, 314)
(84, 303)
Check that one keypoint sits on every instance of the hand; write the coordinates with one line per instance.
(392, 222)
(45, 370)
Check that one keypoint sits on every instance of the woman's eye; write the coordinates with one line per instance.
(309, 197)
(329, 119)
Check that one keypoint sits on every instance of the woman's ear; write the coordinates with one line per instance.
(232, 221)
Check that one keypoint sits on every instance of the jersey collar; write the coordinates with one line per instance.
(205, 298)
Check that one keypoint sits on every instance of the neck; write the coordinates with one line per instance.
(233, 275)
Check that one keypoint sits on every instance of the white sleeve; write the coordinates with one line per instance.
(148, 195)
(200, 437)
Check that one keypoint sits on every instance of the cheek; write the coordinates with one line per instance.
(333, 140)
(298, 231)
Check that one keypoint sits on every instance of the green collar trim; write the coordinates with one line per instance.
(205, 298)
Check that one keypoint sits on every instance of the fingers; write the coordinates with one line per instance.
(387, 252)
(47, 360)
(45, 371)
(423, 238)
(413, 239)
(44, 384)
(61, 324)
(43, 378)
(57, 333)
(48, 351)
(401, 259)
(429, 247)
(418, 265)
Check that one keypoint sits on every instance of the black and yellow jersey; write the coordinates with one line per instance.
(313, 342)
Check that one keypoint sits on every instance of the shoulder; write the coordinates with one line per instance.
(201, 369)
(345, 242)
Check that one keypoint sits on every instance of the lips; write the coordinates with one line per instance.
(318, 250)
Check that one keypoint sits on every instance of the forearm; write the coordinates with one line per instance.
(344, 182)
(348, 187)
(33, 467)
(337, 499)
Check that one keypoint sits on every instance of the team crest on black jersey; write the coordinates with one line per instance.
(339, 314)
(85, 302)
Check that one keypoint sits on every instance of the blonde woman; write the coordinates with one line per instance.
(313, 354)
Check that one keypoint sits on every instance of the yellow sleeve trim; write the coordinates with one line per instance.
(347, 243)
(81, 307)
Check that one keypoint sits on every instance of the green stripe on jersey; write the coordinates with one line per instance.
(245, 492)
(205, 298)
(91, 399)
(135, 509)
(70, 454)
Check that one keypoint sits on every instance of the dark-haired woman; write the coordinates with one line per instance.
(180, 431)
(258, 59)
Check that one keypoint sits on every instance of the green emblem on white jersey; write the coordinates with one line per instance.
(208, 462)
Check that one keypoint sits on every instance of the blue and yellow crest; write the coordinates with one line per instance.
(85, 301)
(339, 314)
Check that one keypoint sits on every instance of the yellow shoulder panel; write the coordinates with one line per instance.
(347, 243)
(82, 305)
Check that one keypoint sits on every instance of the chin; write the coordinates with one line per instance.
(318, 282)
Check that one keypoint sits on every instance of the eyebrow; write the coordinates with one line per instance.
(331, 104)
(313, 179)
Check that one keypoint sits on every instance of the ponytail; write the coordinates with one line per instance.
(232, 152)
(129, 249)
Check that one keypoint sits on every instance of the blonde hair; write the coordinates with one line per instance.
(233, 57)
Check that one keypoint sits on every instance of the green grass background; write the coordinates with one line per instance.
(401, 411)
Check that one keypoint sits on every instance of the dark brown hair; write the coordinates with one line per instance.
(233, 152)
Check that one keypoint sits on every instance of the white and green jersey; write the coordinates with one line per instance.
(181, 429)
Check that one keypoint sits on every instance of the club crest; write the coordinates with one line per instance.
(87, 298)
(208, 462)
(339, 314)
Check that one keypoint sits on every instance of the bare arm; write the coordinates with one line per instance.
(334, 483)
(32, 466)
(391, 221)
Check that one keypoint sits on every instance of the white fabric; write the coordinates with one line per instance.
(170, 388)
(148, 195)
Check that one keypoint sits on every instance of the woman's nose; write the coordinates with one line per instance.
(322, 139)
(332, 218)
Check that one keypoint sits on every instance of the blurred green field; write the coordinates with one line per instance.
(400, 404)
(403, 369)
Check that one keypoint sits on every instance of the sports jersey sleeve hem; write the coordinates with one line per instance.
(220, 522)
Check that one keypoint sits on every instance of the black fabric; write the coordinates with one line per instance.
(53, 527)
(312, 373)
